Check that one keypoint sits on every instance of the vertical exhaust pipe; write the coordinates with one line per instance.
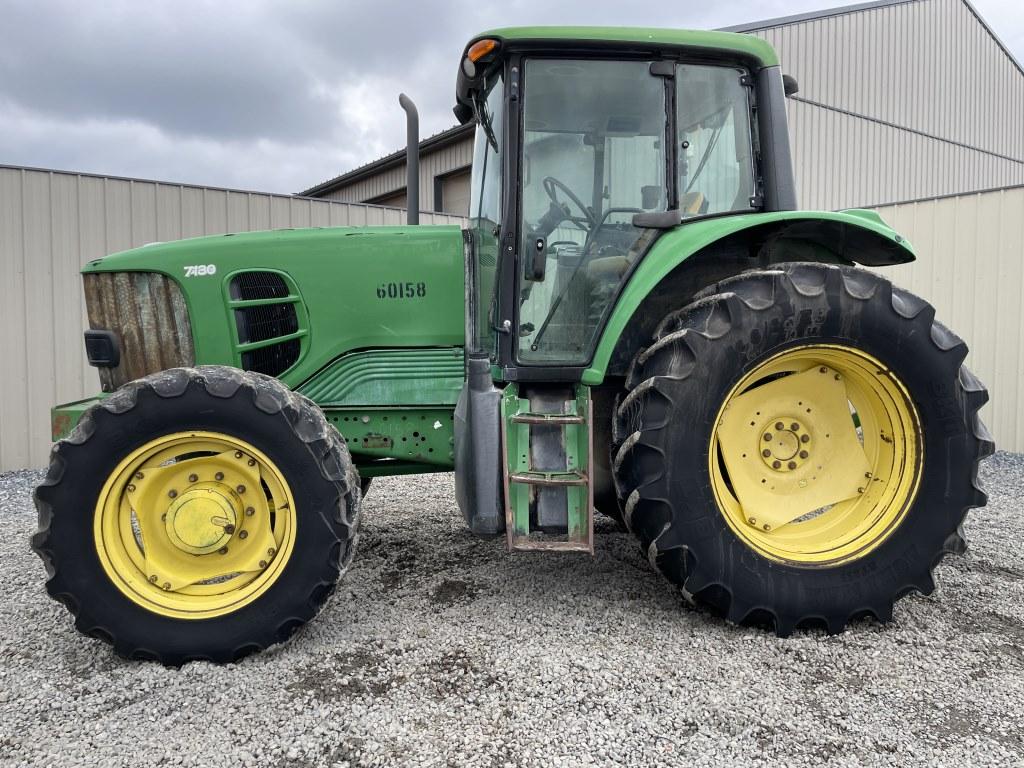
(412, 159)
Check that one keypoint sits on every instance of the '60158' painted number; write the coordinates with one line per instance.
(401, 290)
(200, 270)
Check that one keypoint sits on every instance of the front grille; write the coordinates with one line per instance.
(266, 322)
(148, 314)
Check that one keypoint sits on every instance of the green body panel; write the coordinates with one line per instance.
(682, 242)
(343, 277)
(424, 437)
(389, 377)
(64, 418)
(745, 46)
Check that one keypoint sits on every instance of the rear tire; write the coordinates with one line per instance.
(669, 428)
(105, 585)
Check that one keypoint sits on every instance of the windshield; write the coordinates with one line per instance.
(593, 155)
(485, 215)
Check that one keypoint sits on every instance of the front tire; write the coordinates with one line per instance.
(800, 446)
(197, 514)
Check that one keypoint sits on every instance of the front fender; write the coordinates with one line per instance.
(847, 237)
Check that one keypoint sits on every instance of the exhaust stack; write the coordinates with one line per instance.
(412, 159)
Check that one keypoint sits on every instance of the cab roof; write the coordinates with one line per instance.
(746, 46)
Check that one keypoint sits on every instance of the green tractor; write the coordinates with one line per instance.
(637, 319)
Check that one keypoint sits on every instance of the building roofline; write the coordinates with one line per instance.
(430, 144)
(799, 18)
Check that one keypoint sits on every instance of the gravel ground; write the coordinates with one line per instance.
(440, 649)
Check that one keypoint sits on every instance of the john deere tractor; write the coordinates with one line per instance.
(637, 319)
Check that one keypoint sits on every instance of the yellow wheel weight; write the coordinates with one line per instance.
(194, 525)
(816, 454)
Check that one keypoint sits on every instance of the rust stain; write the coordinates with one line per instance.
(60, 426)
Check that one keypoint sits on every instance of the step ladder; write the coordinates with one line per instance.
(547, 456)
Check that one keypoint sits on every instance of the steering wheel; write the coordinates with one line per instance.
(551, 185)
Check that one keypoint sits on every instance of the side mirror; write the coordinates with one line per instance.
(790, 86)
(650, 197)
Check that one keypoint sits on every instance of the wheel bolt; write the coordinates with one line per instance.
(193, 478)
(240, 489)
(152, 579)
(251, 462)
(805, 438)
(263, 563)
(752, 521)
(823, 369)
(219, 476)
(792, 465)
(250, 511)
(779, 425)
(776, 464)
(139, 475)
(271, 551)
(243, 534)
(794, 426)
(860, 490)
(229, 529)
(130, 487)
(767, 437)
(238, 454)
(803, 454)
(838, 377)
(163, 518)
(172, 493)
(766, 527)
(223, 550)
(766, 453)
(167, 586)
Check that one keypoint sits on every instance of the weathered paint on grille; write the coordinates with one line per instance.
(148, 313)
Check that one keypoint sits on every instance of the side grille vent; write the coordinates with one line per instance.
(270, 320)
(258, 285)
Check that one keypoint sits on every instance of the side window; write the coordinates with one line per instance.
(716, 170)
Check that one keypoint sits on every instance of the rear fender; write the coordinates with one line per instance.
(694, 255)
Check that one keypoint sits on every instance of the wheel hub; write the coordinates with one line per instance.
(786, 444)
(201, 520)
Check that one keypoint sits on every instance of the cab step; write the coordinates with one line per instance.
(547, 458)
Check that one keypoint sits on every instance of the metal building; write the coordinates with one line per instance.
(52, 223)
(899, 100)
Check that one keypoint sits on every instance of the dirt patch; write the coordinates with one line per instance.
(452, 591)
(346, 675)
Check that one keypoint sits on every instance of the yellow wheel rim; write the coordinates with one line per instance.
(815, 457)
(194, 525)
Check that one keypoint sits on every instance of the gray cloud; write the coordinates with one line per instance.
(265, 95)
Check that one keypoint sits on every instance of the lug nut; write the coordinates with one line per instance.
(152, 579)
(805, 438)
(766, 527)
(823, 369)
(776, 464)
(263, 563)
(139, 475)
(251, 462)
(163, 518)
(193, 478)
(130, 487)
(219, 476)
(250, 511)
(229, 529)
(838, 377)
(792, 465)
(240, 489)
(794, 426)
(779, 425)
(238, 454)
(271, 551)
(172, 493)
(766, 453)
(223, 550)
(243, 534)
(752, 521)
(803, 454)
(767, 437)
(167, 586)
(860, 490)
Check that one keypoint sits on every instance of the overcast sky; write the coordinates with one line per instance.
(275, 96)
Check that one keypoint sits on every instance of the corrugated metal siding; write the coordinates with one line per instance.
(432, 164)
(929, 67)
(51, 223)
(970, 268)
